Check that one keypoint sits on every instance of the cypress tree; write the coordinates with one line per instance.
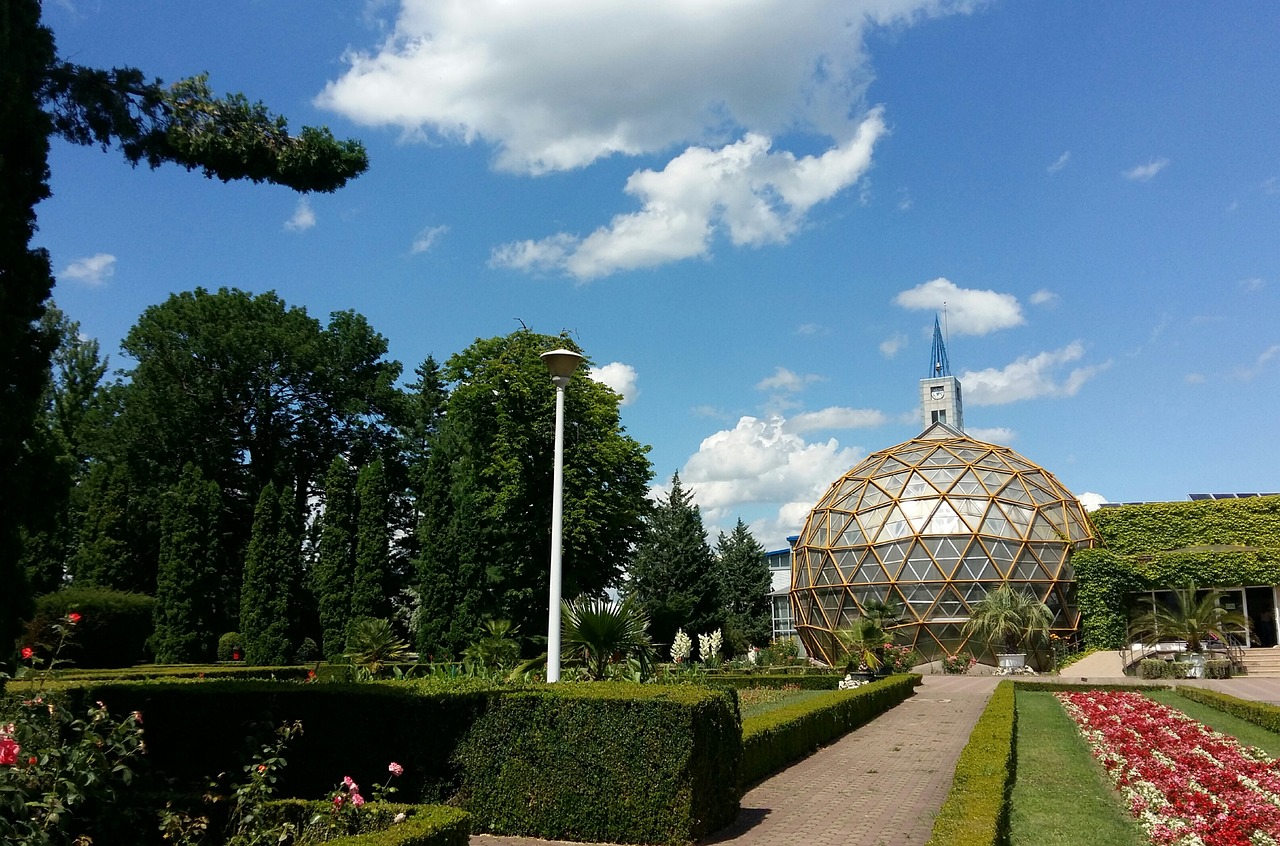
(674, 574)
(373, 546)
(335, 565)
(187, 576)
(744, 572)
(103, 555)
(268, 601)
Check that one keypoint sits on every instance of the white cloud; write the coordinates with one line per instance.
(969, 311)
(620, 377)
(303, 217)
(835, 417)
(1246, 374)
(1194, 379)
(892, 345)
(996, 435)
(427, 238)
(1091, 501)
(1043, 297)
(811, 329)
(759, 461)
(904, 200)
(93, 270)
(1146, 172)
(1060, 162)
(745, 191)
(1030, 378)
(1255, 283)
(784, 380)
(558, 84)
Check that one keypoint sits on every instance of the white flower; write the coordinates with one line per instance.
(709, 646)
(399, 818)
(681, 646)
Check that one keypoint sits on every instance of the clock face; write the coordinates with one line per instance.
(936, 392)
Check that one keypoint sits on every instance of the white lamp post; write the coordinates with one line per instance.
(561, 363)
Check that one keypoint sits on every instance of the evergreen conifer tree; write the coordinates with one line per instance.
(371, 580)
(335, 565)
(268, 598)
(744, 572)
(187, 578)
(103, 556)
(674, 574)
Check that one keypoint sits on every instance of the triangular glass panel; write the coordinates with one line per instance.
(1016, 492)
(917, 486)
(949, 604)
(1019, 517)
(1027, 568)
(945, 521)
(872, 497)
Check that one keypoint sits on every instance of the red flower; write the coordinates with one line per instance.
(8, 751)
(27, 652)
(73, 617)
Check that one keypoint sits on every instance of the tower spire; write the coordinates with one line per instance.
(940, 400)
(938, 363)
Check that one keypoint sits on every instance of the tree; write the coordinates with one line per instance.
(269, 597)
(1009, 617)
(674, 575)
(40, 96)
(331, 573)
(104, 554)
(744, 572)
(486, 500)
(188, 599)
(371, 581)
(599, 632)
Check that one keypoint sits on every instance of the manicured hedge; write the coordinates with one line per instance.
(745, 681)
(424, 825)
(1259, 713)
(187, 671)
(976, 812)
(112, 632)
(613, 762)
(1156, 668)
(782, 735)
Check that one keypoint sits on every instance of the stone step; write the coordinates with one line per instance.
(1262, 662)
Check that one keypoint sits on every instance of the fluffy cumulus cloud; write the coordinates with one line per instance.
(1001, 435)
(761, 461)
(1043, 297)
(304, 217)
(620, 377)
(785, 381)
(1031, 377)
(92, 270)
(969, 311)
(744, 190)
(559, 84)
(1091, 501)
(835, 417)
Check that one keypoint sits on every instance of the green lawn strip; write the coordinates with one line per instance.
(763, 700)
(1243, 731)
(1061, 793)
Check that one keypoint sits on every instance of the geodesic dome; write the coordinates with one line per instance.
(934, 524)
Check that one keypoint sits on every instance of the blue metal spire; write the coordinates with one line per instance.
(938, 364)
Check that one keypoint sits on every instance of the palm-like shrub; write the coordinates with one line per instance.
(1197, 616)
(599, 632)
(500, 647)
(1009, 617)
(863, 643)
(372, 644)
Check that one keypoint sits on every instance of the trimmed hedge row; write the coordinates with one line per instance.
(1158, 668)
(976, 812)
(187, 671)
(748, 681)
(424, 825)
(780, 736)
(112, 632)
(1261, 714)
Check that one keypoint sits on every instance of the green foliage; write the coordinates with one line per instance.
(499, 648)
(113, 629)
(371, 581)
(801, 681)
(1261, 714)
(744, 572)
(423, 825)
(330, 576)
(599, 632)
(603, 762)
(976, 812)
(1009, 616)
(486, 499)
(1155, 668)
(862, 644)
(228, 644)
(674, 576)
(103, 553)
(1167, 526)
(1197, 616)
(785, 734)
(372, 644)
(187, 594)
(269, 596)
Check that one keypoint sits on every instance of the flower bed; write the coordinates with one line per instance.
(1183, 783)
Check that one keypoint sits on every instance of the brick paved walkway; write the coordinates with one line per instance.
(878, 786)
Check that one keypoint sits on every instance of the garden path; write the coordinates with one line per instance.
(878, 786)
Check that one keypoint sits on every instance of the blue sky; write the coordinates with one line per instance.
(748, 214)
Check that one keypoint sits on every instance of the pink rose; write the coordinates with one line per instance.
(9, 750)
(357, 799)
(395, 769)
(349, 783)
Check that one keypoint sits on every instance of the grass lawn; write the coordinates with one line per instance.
(1060, 795)
(1245, 732)
(761, 700)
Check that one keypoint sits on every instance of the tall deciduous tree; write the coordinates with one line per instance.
(269, 598)
(40, 96)
(335, 563)
(674, 575)
(189, 603)
(487, 492)
(370, 587)
(744, 572)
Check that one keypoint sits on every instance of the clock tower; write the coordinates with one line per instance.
(940, 400)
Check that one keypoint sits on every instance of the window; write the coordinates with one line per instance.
(939, 416)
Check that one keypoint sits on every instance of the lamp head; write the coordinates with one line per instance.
(561, 364)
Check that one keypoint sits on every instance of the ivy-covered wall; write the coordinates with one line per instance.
(1213, 543)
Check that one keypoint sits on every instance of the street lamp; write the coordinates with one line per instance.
(561, 363)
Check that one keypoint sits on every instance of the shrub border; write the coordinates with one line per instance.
(1262, 714)
(976, 812)
(427, 825)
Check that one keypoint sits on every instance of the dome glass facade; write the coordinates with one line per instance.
(933, 525)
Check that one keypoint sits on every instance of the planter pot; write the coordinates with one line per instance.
(1011, 660)
(1196, 670)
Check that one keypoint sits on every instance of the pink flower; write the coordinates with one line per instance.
(27, 652)
(356, 799)
(395, 769)
(9, 750)
(73, 617)
(349, 783)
